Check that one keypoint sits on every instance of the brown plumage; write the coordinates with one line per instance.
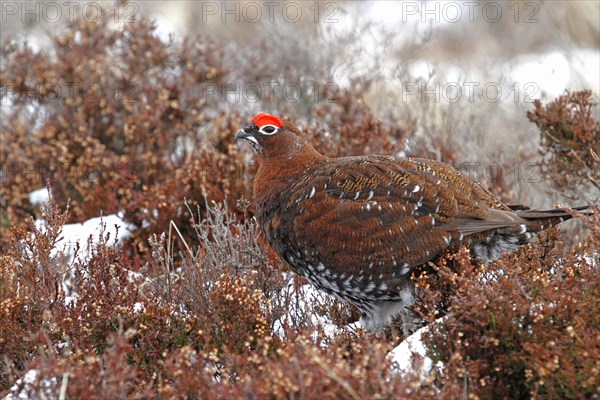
(357, 226)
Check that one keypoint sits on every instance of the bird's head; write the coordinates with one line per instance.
(270, 137)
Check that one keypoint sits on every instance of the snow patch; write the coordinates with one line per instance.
(39, 197)
(24, 386)
(303, 301)
(412, 346)
(88, 233)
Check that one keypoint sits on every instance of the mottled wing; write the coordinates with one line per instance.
(380, 214)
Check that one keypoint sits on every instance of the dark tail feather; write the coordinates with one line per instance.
(489, 245)
(544, 219)
(528, 213)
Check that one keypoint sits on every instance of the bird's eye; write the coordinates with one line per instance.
(268, 129)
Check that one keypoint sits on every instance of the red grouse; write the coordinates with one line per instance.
(357, 226)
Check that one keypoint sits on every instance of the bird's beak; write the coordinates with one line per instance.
(242, 134)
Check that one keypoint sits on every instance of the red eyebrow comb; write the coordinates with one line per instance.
(262, 119)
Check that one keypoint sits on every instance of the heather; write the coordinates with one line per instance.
(194, 303)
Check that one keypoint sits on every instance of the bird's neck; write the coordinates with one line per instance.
(275, 173)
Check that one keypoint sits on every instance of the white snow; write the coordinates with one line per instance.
(303, 302)
(38, 197)
(89, 233)
(138, 307)
(551, 72)
(48, 389)
(113, 225)
(590, 259)
(412, 346)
